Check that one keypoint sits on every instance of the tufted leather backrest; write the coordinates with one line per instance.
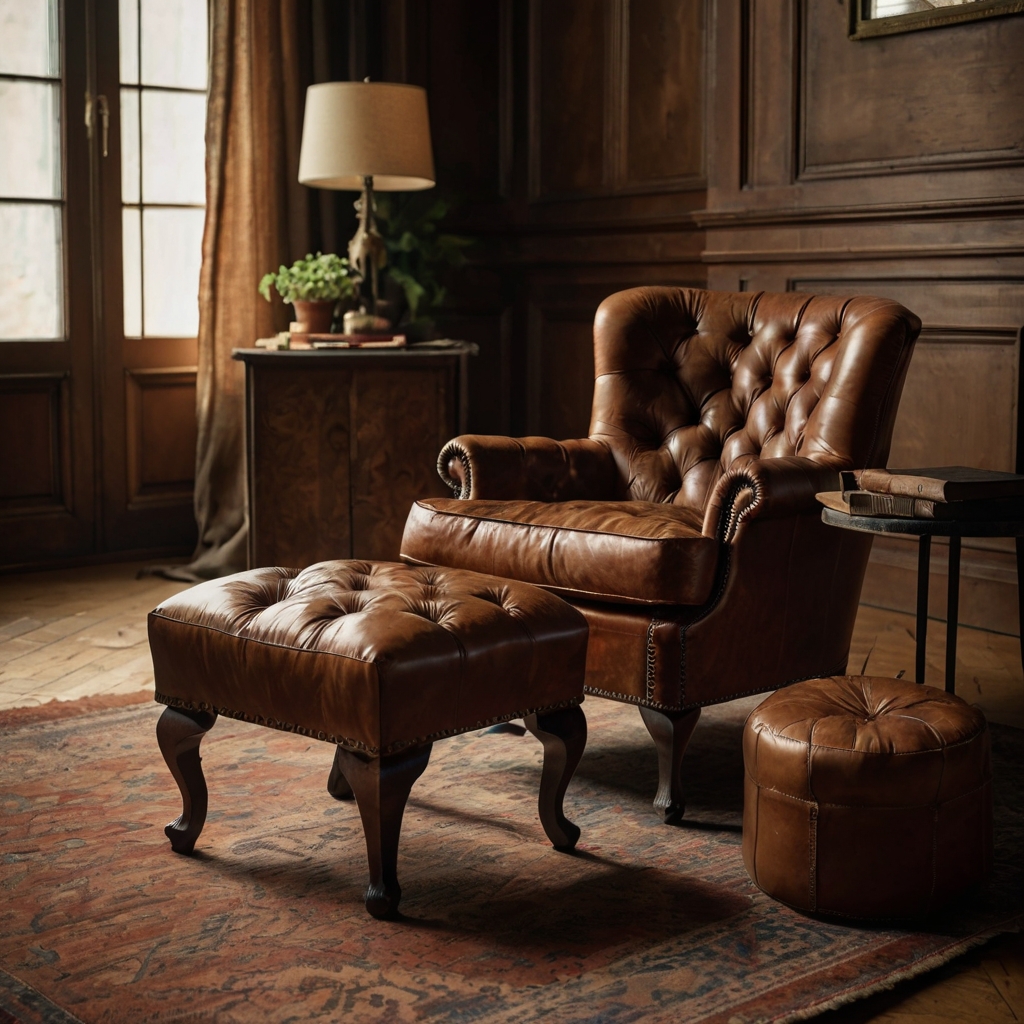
(689, 383)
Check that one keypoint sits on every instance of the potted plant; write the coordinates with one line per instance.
(313, 285)
(421, 256)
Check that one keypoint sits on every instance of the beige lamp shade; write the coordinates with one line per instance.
(354, 129)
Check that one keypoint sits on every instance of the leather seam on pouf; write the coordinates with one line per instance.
(927, 752)
(812, 802)
(347, 742)
(841, 817)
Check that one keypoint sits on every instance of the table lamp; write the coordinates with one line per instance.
(365, 136)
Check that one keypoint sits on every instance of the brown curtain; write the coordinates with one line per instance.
(257, 217)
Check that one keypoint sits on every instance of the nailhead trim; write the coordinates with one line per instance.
(347, 741)
(450, 450)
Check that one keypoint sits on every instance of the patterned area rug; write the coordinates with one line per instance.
(99, 921)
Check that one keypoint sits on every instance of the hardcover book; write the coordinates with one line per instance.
(900, 506)
(945, 483)
(356, 340)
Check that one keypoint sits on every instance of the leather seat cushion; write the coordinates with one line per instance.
(866, 797)
(633, 552)
(371, 655)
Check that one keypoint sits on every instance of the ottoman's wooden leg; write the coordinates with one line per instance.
(179, 733)
(382, 786)
(337, 784)
(564, 735)
(671, 731)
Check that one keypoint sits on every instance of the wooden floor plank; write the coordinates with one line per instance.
(1004, 963)
(989, 671)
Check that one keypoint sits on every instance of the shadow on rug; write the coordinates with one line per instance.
(266, 921)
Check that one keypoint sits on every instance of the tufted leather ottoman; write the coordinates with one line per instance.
(866, 797)
(380, 659)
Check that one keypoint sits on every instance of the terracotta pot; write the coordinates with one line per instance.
(316, 315)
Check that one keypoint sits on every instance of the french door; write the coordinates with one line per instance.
(102, 112)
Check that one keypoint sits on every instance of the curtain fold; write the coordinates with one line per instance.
(257, 217)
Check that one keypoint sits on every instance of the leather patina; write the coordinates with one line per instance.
(373, 656)
(618, 551)
(866, 797)
(720, 415)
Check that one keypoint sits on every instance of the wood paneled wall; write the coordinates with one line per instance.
(736, 144)
(575, 134)
(887, 166)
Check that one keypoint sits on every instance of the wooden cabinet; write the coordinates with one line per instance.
(340, 443)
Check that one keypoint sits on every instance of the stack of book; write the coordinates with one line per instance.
(945, 492)
(356, 340)
(302, 340)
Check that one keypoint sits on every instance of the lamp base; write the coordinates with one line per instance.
(367, 252)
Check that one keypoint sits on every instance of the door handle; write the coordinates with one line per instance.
(92, 104)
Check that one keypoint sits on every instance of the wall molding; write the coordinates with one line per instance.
(56, 387)
(896, 252)
(141, 494)
(947, 161)
(615, 117)
(980, 160)
(938, 209)
(939, 334)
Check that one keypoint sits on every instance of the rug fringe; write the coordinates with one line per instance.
(925, 965)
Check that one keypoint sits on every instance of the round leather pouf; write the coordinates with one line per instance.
(866, 797)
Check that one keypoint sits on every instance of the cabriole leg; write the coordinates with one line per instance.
(337, 784)
(564, 735)
(671, 732)
(179, 733)
(382, 786)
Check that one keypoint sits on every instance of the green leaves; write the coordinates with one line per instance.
(324, 276)
(419, 253)
(414, 291)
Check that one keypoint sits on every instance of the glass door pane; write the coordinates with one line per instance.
(31, 274)
(163, 48)
(29, 38)
(31, 189)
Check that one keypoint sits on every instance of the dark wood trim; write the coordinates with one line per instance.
(533, 102)
(896, 252)
(872, 28)
(616, 92)
(971, 160)
(1019, 454)
(933, 334)
(745, 122)
(940, 209)
(506, 99)
(137, 380)
(57, 387)
(977, 160)
(153, 554)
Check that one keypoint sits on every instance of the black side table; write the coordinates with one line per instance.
(955, 531)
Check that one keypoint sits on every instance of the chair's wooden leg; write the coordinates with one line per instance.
(671, 731)
(179, 733)
(564, 735)
(381, 786)
(337, 784)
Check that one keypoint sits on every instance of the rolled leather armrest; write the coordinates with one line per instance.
(529, 468)
(766, 489)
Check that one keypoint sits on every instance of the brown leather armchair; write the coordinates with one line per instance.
(685, 526)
